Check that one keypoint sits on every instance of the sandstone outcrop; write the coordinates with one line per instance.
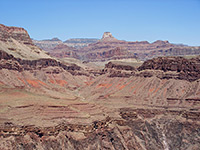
(162, 67)
(11, 63)
(19, 34)
(17, 42)
(187, 69)
(107, 36)
(119, 66)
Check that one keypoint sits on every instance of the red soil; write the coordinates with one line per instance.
(35, 83)
(104, 85)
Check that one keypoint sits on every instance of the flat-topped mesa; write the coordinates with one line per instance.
(53, 39)
(17, 33)
(107, 36)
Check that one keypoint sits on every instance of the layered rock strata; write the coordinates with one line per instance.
(19, 34)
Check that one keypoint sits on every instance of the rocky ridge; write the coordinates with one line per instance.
(11, 63)
(17, 42)
(19, 34)
(187, 69)
(161, 67)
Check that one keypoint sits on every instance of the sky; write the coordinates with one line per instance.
(177, 21)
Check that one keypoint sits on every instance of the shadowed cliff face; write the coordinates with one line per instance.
(11, 63)
(173, 64)
(161, 67)
(188, 69)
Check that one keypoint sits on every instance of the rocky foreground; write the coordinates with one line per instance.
(47, 104)
(124, 108)
(133, 129)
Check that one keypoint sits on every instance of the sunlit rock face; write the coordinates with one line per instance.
(17, 33)
(107, 36)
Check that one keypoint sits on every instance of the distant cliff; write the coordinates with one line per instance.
(47, 44)
(108, 47)
(80, 42)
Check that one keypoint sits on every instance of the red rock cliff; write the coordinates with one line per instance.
(17, 33)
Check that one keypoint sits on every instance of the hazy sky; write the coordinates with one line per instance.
(134, 20)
